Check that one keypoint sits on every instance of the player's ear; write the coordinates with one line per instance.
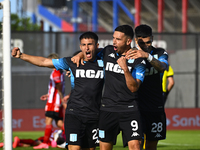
(97, 45)
(129, 41)
(151, 38)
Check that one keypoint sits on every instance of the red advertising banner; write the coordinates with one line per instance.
(34, 119)
(183, 118)
(27, 120)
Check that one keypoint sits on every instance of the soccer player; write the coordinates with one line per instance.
(167, 82)
(150, 92)
(119, 108)
(54, 107)
(82, 113)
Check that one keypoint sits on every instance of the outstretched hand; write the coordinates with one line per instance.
(16, 52)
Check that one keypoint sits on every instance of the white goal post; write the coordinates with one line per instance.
(7, 94)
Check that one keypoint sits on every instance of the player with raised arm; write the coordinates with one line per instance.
(82, 113)
(119, 108)
(150, 92)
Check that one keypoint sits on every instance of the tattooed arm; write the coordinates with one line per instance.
(159, 64)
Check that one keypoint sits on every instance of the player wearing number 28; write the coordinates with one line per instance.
(150, 92)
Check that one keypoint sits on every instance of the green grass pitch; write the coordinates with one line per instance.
(176, 140)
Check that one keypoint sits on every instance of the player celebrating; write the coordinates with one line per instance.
(82, 113)
(150, 92)
(119, 108)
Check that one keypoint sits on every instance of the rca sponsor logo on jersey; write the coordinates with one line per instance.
(183, 118)
(81, 73)
(115, 68)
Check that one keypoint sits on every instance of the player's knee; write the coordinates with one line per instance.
(134, 145)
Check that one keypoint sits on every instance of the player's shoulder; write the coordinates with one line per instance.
(170, 69)
(67, 58)
(64, 59)
(159, 50)
(108, 47)
(140, 61)
(108, 50)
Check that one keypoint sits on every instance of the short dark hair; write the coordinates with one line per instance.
(126, 29)
(143, 31)
(89, 35)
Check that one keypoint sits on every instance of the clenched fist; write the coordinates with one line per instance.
(16, 52)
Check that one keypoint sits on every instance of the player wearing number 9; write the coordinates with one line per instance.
(150, 92)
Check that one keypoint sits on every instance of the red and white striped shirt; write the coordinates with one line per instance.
(54, 101)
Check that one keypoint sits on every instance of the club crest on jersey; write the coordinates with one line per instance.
(101, 134)
(100, 63)
(73, 137)
(131, 60)
(81, 73)
(115, 68)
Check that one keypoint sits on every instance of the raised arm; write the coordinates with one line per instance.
(35, 60)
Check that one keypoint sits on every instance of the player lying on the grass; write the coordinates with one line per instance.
(57, 139)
